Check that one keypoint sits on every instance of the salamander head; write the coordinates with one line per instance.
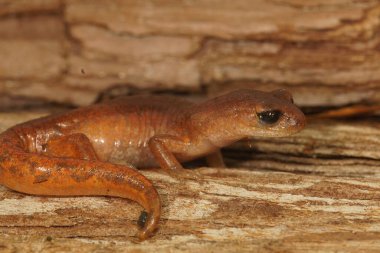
(273, 114)
(248, 113)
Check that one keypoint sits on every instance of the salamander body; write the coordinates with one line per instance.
(95, 150)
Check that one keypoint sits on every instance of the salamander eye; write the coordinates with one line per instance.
(269, 117)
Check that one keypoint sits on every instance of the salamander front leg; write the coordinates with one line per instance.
(162, 148)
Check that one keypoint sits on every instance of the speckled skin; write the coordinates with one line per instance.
(94, 150)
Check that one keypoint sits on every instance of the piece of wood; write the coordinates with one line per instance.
(325, 138)
(230, 211)
(308, 95)
(326, 166)
(325, 204)
(325, 52)
(10, 7)
(324, 147)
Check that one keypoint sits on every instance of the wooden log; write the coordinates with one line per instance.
(229, 210)
(326, 166)
(325, 52)
(324, 147)
(325, 204)
(294, 20)
(10, 7)
(326, 138)
(310, 95)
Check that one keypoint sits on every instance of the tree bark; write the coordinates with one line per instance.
(325, 52)
(325, 204)
(315, 191)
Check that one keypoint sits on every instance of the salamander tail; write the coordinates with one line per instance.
(39, 174)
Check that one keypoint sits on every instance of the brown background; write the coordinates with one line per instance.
(327, 52)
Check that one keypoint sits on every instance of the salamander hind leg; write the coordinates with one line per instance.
(55, 176)
(73, 146)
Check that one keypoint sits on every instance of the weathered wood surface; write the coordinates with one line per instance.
(325, 205)
(325, 52)
(324, 138)
(328, 147)
(231, 211)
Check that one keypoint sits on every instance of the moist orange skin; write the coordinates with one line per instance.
(94, 150)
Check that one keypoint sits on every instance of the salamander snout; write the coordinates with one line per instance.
(295, 120)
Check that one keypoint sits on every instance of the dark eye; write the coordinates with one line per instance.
(269, 117)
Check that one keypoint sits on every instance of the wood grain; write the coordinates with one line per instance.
(317, 191)
(325, 52)
(231, 210)
(284, 200)
(326, 138)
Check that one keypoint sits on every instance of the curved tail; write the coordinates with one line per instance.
(38, 174)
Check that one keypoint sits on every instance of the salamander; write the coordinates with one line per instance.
(96, 150)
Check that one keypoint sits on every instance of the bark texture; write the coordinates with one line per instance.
(325, 52)
(325, 203)
(316, 191)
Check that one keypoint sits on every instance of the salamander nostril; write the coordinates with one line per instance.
(269, 117)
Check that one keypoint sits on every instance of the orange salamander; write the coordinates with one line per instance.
(95, 150)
